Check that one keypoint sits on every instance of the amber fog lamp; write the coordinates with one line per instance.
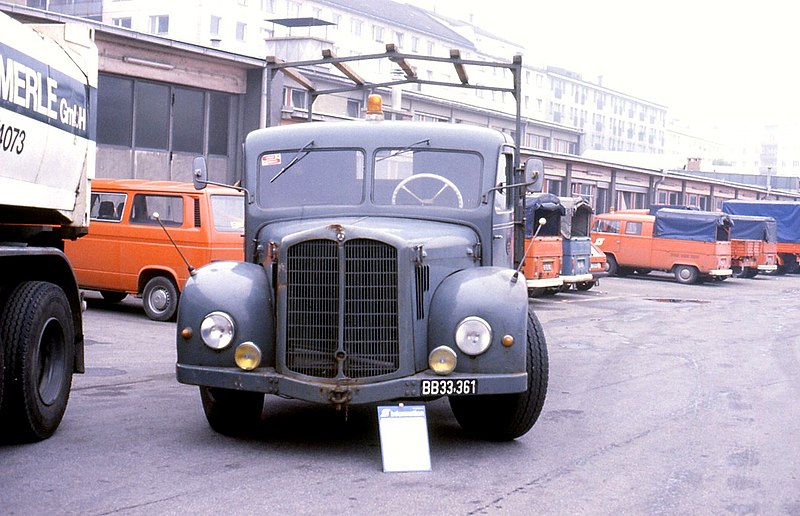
(247, 356)
(507, 340)
(442, 360)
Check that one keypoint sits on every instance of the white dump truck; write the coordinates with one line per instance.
(48, 94)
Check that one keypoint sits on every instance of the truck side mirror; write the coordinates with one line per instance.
(199, 173)
(534, 174)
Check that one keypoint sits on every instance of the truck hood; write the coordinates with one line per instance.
(421, 239)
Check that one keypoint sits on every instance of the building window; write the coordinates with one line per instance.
(356, 26)
(241, 31)
(139, 114)
(354, 108)
(399, 37)
(159, 24)
(114, 110)
(414, 44)
(151, 112)
(188, 120)
(214, 27)
(297, 99)
(122, 22)
(377, 33)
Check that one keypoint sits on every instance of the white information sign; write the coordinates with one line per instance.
(404, 438)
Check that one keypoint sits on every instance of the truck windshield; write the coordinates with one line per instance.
(321, 177)
(428, 177)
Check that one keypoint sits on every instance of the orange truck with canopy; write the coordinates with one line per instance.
(787, 218)
(692, 245)
(543, 243)
(754, 245)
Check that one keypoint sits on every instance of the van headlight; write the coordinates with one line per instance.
(473, 335)
(217, 330)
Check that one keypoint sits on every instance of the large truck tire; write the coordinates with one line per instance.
(232, 412)
(503, 417)
(38, 335)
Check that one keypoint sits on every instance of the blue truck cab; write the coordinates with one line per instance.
(379, 266)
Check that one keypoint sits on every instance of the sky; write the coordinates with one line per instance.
(711, 62)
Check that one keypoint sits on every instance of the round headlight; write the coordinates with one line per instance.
(442, 360)
(473, 335)
(216, 330)
(247, 356)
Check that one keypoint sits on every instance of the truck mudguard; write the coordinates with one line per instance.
(754, 228)
(700, 226)
(785, 213)
(238, 288)
(493, 294)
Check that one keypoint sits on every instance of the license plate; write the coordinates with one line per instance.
(449, 387)
(547, 267)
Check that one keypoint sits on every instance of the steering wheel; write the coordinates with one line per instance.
(446, 184)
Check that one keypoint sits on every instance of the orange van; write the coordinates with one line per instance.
(692, 245)
(127, 251)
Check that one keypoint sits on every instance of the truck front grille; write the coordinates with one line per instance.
(341, 319)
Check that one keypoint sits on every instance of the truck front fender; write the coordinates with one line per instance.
(242, 291)
(498, 297)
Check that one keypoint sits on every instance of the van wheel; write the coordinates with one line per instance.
(231, 412)
(37, 330)
(686, 274)
(160, 299)
(112, 296)
(503, 417)
(611, 265)
(584, 285)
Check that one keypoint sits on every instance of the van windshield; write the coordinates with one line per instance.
(228, 212)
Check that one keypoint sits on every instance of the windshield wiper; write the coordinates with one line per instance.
(407, 148)
(297, 157)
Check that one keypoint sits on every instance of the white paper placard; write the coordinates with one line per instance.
(404, 438)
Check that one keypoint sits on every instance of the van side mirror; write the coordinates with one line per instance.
(534, 174)
(199, 173)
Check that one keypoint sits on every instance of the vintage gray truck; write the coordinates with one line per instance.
(379, 266)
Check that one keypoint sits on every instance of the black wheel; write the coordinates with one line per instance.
(611, 265)
(503, 417)
(536, 292)
(584, 285)
(738, 272)
(231, 412)
(686, 274)
(113, 296)
(750, 272)
(37, 330)
(160, 299)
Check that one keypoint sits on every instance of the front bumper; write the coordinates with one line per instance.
(544, 283)
(269, 381)
(767, 268)
(577, 278)
(720, 272)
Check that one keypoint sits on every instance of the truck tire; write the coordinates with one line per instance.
(584, 285)
(37, 330)
(231, 412)
(112, 296)
(686, 274)
(160, 299)
(503, 417)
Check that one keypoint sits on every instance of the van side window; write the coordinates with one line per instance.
(606, 226)
(107, 206)
(633, 228)
(168, 207)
